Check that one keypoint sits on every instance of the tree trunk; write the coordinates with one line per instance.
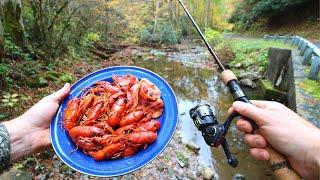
(1, 40)
(12, 20)
(156, 17)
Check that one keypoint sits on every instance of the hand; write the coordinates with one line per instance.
(291, 135)
(29, 133)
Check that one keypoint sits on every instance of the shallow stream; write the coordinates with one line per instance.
(195, 79)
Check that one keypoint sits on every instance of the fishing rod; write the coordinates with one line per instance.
(214, 133)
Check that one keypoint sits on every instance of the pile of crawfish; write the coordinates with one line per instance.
(117, 119)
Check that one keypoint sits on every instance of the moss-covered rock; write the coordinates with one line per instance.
(36, 81)
(12, 20)
(270, 93)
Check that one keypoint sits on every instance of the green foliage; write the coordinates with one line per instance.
(249, 11)
(214, 37)
(10, 100)
(59, 77)
(163, 34)
(312, 87)
(14, 50)
(249, 52)
(90, 38)
(182, 158)
(4, 69)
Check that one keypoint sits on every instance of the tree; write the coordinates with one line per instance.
(1, 40)
(12, 20)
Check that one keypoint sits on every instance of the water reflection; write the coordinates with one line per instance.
(195, 82)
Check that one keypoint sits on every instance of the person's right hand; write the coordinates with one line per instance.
(291, 135)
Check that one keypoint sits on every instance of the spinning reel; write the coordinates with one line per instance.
(214, 133)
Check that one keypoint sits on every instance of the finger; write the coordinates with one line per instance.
(61, 93)
(255, 140)
(250, 111)
(260, 154)
(230, 111)
(244, 126)
(260, 104)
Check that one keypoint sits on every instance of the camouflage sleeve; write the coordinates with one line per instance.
(4, 148)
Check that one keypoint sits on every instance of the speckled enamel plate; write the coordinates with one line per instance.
(82, 162)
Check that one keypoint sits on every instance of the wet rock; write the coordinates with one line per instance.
(63, 168)
(249, 75)
(157, 53)
(160, 166)
(16, 175)
(80, 71)
(193, 146)
(247, 82)
(238, 177)
(208, 173)
(234, 150)
(181, 164)
(182, 113)
(192, 175)
(238, 65)
(149, 166)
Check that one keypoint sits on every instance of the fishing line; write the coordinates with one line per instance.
(197, 95)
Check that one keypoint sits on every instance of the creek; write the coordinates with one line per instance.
(194, 78)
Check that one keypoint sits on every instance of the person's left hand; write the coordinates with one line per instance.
(29, 133)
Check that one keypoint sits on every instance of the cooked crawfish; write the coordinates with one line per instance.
(117, 119)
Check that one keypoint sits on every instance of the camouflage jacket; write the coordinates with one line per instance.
(4, 148)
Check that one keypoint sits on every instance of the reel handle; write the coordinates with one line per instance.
(277, 161)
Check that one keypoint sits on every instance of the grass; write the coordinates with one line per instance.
(312, 87)
(252, 54)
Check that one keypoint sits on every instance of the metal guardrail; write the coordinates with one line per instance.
(310, 53)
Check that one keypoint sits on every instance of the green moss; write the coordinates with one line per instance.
(268, 86)
(312, 87)
(270, 93)
(251, 52)
(181, 157)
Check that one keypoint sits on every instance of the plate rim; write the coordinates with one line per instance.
(139, 167)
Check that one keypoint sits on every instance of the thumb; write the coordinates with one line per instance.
(59, 95)
(250, 111)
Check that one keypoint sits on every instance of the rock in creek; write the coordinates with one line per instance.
(247, 82)
(193, 146)
(238, 177)
(208, 173)
(157, 53)
(249, 75)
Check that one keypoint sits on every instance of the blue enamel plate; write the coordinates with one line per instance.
(79, 161)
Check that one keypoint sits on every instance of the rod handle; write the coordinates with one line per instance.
(277, 161)
(280, 166)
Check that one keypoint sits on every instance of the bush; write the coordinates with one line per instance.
(164, 34)
(249, 11)
(214, 37)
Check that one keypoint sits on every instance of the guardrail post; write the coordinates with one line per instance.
(266, 36)
(297, 42)
(294, 41)
(307, 56)
(287, 38)
(303, 48)
(315, 67)
(300, 43)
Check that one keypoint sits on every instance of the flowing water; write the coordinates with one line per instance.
(194, 79)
